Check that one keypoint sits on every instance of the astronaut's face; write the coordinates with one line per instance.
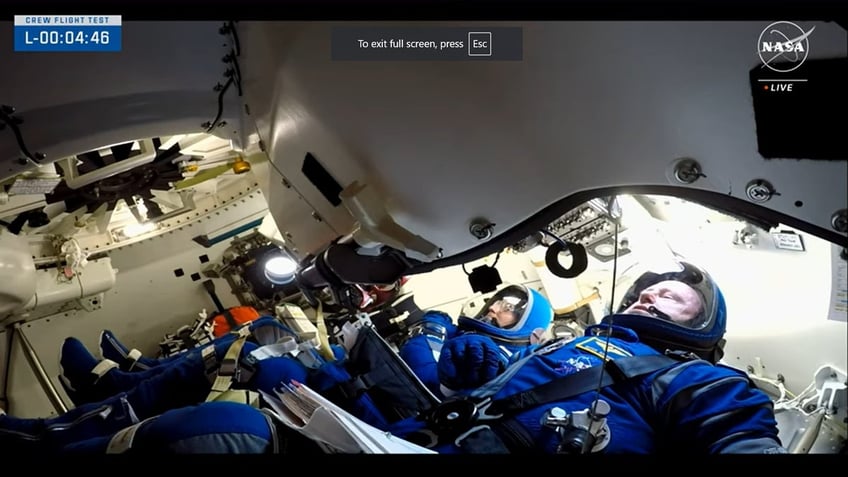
(502, 313)
(669, 299)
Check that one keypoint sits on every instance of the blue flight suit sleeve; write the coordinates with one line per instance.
(716, 408)
(422, 350)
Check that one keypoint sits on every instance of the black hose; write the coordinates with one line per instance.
(237, 75)
(220, 105)
(236, 42)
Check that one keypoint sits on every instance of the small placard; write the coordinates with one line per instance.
(788, 241)
(67, 33)
(24, 186)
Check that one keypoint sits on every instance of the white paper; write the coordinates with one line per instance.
(282, 348)
(331, 425)
(839, 286)
(333, 443)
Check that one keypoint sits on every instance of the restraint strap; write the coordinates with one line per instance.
(581, 382)
(227, 369)
(507, 433)
(241, 396)
(230, 320)
(323, 341)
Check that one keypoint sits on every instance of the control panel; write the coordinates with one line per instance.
(588, 224)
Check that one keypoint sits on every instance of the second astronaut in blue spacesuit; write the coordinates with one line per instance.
(479, 346)
(644, 380)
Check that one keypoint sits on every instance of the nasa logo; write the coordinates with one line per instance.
(786, 41)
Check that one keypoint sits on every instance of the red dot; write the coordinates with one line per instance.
(765, 87)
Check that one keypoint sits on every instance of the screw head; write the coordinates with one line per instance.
(759, 190)
(481, 229)
(839, 220)
(687, 171)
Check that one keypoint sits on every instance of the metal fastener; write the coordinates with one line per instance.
(760, 190)
(839, 220)
(687, 171)
(481, 229)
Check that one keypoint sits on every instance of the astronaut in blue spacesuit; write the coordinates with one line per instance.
(166, 407)
(644, 380)
(161, 409)
(86, 378)
(479, 346)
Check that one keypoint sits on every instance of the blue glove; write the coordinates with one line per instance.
(422, 349)
(441, 318)
(470, 360)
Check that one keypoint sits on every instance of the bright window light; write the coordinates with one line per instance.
(280, 270)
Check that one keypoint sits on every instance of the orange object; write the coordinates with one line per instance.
(233, 318)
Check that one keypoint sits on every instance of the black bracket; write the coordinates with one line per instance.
(8, 118)
(232, 73)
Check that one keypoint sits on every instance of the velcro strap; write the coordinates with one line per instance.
(134, 354)
(103, 367)
(122, 440)
(220, 386)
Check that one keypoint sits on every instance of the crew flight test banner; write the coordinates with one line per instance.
(68, 33)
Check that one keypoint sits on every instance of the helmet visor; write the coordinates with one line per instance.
(682, 294)
(505, 308)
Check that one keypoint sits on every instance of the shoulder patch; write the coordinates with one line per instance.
(596, 346)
